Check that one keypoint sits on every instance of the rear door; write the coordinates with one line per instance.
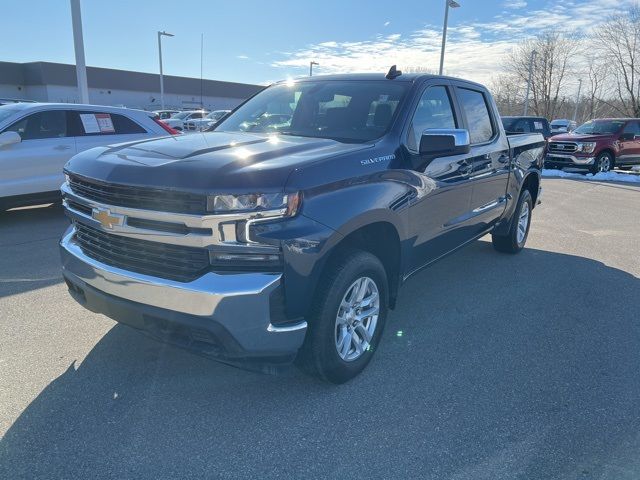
(35, 164)
(489, 154)
(439, 217)
(94, 128)
(629, 153)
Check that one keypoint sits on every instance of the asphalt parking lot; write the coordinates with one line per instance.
(492, 367)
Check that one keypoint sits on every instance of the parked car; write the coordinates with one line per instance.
(253, 246)
(597, 146)
(200, 124)
(178, 120)
(562, 125)
(164, 114)
(527, 125)
(37, 139)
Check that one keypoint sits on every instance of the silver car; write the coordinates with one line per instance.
(37, 139)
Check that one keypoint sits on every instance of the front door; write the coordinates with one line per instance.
(629, 153)
(35, 164)
(439, 215)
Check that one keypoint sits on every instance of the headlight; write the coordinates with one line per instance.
(586, 147)
(254, 202)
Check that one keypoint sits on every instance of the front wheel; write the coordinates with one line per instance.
(603, 163)
(348, 317)
(514, 240)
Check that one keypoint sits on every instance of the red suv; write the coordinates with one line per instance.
(597, 146)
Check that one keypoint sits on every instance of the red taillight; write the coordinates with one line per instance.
(172, 131)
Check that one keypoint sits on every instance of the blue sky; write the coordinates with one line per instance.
(259, 42)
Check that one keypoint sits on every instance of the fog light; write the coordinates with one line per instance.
(245, 261)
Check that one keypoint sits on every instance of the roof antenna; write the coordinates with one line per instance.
(393, 73)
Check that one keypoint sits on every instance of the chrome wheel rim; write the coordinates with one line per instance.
(605, 164)
(523, 222)
(356, 319)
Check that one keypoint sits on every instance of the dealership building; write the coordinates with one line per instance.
(56, 82)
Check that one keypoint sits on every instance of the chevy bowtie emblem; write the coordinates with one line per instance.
(106, 218)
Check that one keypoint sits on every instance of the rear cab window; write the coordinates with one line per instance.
(476, 110)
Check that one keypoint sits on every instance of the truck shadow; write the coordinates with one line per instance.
(29, 243)
(492, 366)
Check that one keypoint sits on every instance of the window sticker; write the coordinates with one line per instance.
(90, 123)
(537, 125)
(105, 123)
(97, 123)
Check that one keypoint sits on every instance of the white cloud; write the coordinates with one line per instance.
(514, 4)
(474, 50)
(242, 57)
(386, 24)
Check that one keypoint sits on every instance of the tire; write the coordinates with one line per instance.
(330, 321)
(603, 163)
(515, 239)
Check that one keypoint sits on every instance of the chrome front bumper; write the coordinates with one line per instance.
(578, 161)
(238, 303)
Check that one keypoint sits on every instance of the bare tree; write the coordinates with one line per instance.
(507, 93)
(618, 42)
(553, 66)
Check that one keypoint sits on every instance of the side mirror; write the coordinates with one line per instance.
(9, 138)
(444, 142)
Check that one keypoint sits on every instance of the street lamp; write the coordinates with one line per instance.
(526, 98)
(311, 64)
(452, 4)
(160, 34)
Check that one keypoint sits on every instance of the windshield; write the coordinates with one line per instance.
(181, 115)
(600, 127)
(347, 111)
(7, 111)
(559, 124)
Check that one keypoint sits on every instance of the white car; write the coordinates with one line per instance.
(201, 124)
(178, 120)
(37, 139)
(164, 114)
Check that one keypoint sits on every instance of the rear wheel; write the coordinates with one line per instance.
(348, 317)
(603, 163)
(515, 239)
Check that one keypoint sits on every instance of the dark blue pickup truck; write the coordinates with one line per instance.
(286, 232)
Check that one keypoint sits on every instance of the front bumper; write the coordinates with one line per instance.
(557, 160)
(226, 315)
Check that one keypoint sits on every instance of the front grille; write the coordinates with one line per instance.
(138, 197)
(562, 147)
(172, 262)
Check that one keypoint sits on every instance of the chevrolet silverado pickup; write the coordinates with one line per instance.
(597, 146)
(274, 241)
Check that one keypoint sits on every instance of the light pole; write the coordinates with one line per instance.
(160, 34)
(78, 44)
(575, 112)
(452, 4)
(311, 64)
(526, 98)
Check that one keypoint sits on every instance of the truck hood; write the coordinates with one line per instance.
(571, 137)
(207, 162)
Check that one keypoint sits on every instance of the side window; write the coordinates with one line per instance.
(85, 124)
(476, 111)
(434, 111)
(632, 127)
(195, 115)
(50, 124)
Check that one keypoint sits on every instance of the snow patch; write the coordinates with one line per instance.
(598, 177)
